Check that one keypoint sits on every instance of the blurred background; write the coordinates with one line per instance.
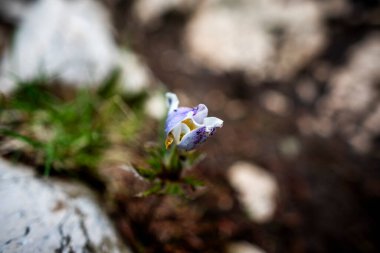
(296, 166)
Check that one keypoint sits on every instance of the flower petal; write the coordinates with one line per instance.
(193, 139)
(176, 117)
(172, 101)
(200, 113)
(176, 132)
(213, 122)
(188, 127)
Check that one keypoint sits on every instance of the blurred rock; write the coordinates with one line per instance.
(46, 215)
(243, 247)
(135, 75)
(257, 190)
(351, 107)
(155, 106)
(265, 39)
(275, 102)
(68, 40)
(149, 11)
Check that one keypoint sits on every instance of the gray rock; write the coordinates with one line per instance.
(70, 41)
(67, 40)
(351, 108)
(46, 215)
(243, 247)
(257, 188)
(259, 37)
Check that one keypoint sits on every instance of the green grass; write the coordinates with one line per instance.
(73, 133)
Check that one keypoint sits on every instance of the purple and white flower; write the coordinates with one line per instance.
(188, 127)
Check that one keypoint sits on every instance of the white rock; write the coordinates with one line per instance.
(243, 247)
(156, 107)
(257, 190)
(275, 102)
(257, 37)
(135, 76)
(69, 40)
(351, 107)
(46, 215)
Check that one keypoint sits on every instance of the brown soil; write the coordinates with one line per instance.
(329, 194)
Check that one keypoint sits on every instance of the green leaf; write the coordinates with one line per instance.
(172, 188)
(155, 189)
(146, 173)
(193, 181)
(34, 143)
(50, 156)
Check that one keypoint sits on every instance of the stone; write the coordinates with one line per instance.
(156, 106)
(257, 190)
(135, 75)
(275, 102)
(243, 247)
(69, 41)
(66, 40)
(256, 37)
(351, 107)
(49, 215)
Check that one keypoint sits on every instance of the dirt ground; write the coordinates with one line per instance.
(329, 192)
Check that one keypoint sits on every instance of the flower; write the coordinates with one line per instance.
(188, 127)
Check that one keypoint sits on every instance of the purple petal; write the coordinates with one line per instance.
(175, 117)
(178, 115)
(200, 113)
(193, 139)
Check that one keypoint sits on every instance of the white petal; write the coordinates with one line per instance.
(172, 101)
(184, 129)
(176, 132)
(200, 113)
(212, 122)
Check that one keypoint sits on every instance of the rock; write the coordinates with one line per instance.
(47, 215)
(351, 107)
(243, 247)
(264, 39)
(156, 106)
(68, 40)
(275, 102)
(135, 75)
(257, 190)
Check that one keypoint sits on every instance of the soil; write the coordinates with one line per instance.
(329, 193)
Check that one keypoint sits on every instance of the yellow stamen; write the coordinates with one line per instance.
(169, 140)
(190, 124)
